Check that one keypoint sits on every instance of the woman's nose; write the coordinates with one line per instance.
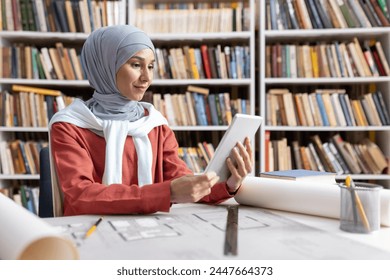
(146, 75)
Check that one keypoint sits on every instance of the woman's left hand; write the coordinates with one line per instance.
(240, 164)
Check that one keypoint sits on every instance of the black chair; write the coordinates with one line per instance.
(45, 188)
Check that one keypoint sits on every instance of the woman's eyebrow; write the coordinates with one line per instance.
(142, 58)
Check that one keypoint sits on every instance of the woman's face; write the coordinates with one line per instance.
(135, 76)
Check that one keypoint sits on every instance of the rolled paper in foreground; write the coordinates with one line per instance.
(25, 236)
(312, 198)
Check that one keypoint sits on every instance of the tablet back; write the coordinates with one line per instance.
(242, 126)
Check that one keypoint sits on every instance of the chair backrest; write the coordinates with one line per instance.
(45, 188)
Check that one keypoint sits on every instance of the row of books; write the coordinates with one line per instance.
(198, 157)
(199, 107)
(20, 157)
(336, 59)
(180, 17)
(26, 195)
(30, 107)
(319, 14)
(326, 107)
(204, 62)
(60, 16)
(28, 62)
(335, 155)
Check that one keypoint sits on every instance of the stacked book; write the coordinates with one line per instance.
(198, 157)
(203, 62)
(335, 155)
(338, 59)
(30, 106)
(326, 107)
(81, 16)
(199, 107)
(319, 14)
(29, 62)
(193, 17)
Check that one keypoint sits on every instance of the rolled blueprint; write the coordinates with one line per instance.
(25, 236)
(312, 198)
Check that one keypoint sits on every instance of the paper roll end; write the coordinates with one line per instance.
(50, 248)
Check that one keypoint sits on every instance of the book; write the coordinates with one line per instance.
(200, 109)
(37, 90)
(39, 11)
(292, 14)
(197, 89)
(347, 14)
(343, 165)
(65, 61)
(340, 145)
(303, 11)
(377, 9)
(359, 13)
(382, 104)
(325, 19)
(206, 61)
(370, 13)
(336, 104)
(302, 175)
(319, 165)
(356, 59)
(334, 9)
(382, 56)
(318, 145)
(376, 154)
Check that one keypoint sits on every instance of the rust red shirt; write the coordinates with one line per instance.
(79, 158)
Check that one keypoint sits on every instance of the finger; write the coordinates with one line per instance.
(240, 164)
(233, 168)
(214, 181)
(246, 157)
(247, 142)
(248, 147)
(210, 175)
(202, 193)
(207, 180)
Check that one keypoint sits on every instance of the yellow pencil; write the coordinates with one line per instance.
(93, 228)
(350, 184)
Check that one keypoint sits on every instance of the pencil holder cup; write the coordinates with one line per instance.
(360, 207)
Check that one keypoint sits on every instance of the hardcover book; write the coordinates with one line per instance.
(301, 175)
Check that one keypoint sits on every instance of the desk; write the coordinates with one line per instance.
(196, 231)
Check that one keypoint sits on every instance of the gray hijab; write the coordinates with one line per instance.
(104, 52)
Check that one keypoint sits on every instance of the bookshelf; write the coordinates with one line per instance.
(353, 86)
(47, 27)
(242, 87)
(155, 16)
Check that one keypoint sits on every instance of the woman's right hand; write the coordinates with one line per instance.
(192, 188)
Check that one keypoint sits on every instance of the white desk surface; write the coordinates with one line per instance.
(196, 231)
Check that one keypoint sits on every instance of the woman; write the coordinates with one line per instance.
(116, 155)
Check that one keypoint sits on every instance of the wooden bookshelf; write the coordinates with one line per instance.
(155, 17)
(27, 133)
(355, 86)
(68, 38)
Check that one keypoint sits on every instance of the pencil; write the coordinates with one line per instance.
(93, 228)
(359, 204)
(353, 199)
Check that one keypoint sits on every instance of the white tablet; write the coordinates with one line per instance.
(241, 126)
